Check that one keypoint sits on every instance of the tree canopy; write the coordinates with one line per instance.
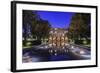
(79, 26)
(34, 25)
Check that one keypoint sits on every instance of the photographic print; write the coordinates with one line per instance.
(56, 36)
(53, 36)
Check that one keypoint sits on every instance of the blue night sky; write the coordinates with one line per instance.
(56, 19)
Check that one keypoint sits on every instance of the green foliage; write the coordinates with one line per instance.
(41, 28)
(38, 27)
(79, 27)
(36, 42)
(78, 42)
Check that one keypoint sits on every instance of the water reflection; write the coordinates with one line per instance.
(45, 53)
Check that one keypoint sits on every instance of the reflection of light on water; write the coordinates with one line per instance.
(51, 51)
(34, 59)
(46, 46)
(41, 47)
(87, 56)
(82, 52)
(72, 47)
(27, 59)
(50, 45)
(65, 50)
(55, 50)
(55, 54)
(63, 47)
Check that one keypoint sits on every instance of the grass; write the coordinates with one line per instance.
(26, 47)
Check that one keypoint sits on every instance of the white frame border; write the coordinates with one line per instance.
(35, 65)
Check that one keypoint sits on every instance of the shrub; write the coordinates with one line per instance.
(36, 42)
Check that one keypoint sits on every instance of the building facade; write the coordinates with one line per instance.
(58, 37)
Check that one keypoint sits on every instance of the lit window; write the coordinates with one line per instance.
(62, 34)
(63, 47)
(50, 45)
(55, 32)
(66, 38)
(51, 32)
(50, 38)
(63, 43)
(54, 44)
(66, 44)
(54, 38)
(62, 38)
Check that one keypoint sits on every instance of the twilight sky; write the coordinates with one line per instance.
(56, 19)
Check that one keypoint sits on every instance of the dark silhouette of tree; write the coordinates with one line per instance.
(28, 18)
(41, 29)
(34, 25)
(79, 26)
(87, 20)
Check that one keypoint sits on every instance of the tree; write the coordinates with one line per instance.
(41, 29)
(34, 25)
(87, 20)
(80, 26)
(28, 18)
